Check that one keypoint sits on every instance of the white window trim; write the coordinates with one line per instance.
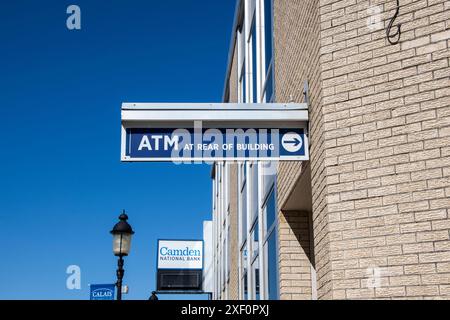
(262, 255)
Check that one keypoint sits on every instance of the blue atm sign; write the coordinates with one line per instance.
(194, 144)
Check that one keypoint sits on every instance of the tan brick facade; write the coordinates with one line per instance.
(297, 48)
(386, 111)
(379, 170)
(233, 285)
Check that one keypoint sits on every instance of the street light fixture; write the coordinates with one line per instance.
(122, 233)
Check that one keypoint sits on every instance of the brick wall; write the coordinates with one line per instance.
(379, 148)
(233, 285)
(233, 89)
(386, 120)
(296, 38)
(293, 235)
(295, 256)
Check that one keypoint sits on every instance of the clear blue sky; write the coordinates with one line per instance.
(62, 185)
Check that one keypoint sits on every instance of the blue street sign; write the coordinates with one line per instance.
(102, 291)
(170, 144)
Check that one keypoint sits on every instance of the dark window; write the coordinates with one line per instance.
(244, 212)
(245, 286)
(268, 31)
(269, 86)
(270, 210)
(244, 278)
(255, 233)
(254, 192)
(272, 266)
(255, 237)
(243, 83)
(254, 59)
(256, 285)
(268, 40)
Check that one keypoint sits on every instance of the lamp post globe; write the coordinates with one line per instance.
(122, 233)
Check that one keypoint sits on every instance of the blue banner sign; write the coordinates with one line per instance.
(192, 144)
(102, 291)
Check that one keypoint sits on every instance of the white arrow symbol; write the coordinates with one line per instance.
(292, 142)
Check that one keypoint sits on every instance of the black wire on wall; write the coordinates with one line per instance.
(394, 38)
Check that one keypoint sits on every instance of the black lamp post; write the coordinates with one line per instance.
(153, 297)
(122, 233)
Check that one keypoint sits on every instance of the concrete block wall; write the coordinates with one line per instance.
(296, 49)
(295, 256)
(379, 148)
(233, 285)
(386, 120)
(294, 238)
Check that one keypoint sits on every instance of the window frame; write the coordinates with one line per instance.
(268, 72)
(268, 232)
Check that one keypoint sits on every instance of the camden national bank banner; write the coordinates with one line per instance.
(180, 254)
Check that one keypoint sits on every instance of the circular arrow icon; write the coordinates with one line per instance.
(292, 142)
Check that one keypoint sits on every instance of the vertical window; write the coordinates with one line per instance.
(244, 87)
(268, 91)
(245, 285)
(272, 271)
(255, 237)
(254, 232)
(270, 247)
(245, 170)
(241, 65)
(268, 32)
(254, 61)
(244, 278)
(243, 202)
(220, 197)
(255, 282)
(244, 213)
(243, 271)
(268, 51)
(226, 189)
(255, 261)
(270, 210)
(217, 181)
(224, 193)
(254, 192)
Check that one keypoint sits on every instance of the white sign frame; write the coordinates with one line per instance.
(214, 115)
(180, 245)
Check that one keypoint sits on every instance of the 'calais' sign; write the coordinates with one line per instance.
(102, 291)
(180, 254)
